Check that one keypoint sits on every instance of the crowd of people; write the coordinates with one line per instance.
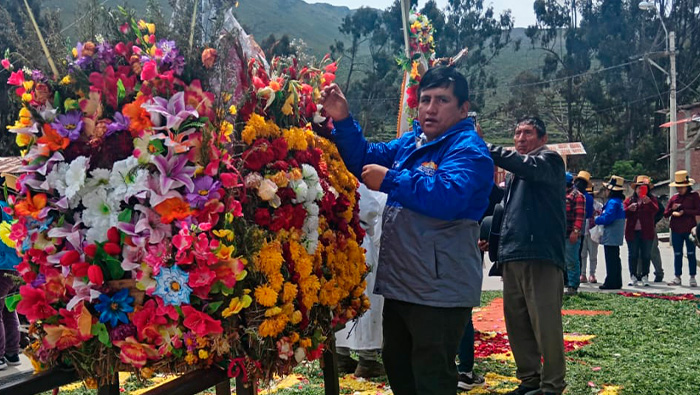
(442, 211)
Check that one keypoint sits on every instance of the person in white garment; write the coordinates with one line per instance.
(365, 335)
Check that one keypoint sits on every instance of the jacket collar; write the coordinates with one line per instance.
(421, 141)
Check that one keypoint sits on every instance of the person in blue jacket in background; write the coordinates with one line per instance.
(613, 221)
(438, 177)
(9, 322)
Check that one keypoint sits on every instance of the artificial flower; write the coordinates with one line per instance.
(199, 322)
(113, 308)
(173, 110)
(69, 125)
(171, 286)
(132, 352)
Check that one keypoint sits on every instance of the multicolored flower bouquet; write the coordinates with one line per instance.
(168, 223)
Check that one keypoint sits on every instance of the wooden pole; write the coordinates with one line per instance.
(41, 40)
(405, 12)
(192, 25)
(331, 381)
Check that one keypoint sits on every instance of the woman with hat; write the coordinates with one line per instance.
(682, 208)
(589, 248)
(613, 221)
(640, 209)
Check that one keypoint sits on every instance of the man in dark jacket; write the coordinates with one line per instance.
(438, 177)
(531, 251)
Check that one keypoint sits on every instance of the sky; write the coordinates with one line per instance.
(522, 10)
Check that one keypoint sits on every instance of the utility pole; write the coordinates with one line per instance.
(674, 128)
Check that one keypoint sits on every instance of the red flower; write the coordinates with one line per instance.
(149, 71)
(262, 216)
(33, 304)
(279, 146)
(259, 155)
(95, 275)
(332, 68)
(201, 280)
(199, 323)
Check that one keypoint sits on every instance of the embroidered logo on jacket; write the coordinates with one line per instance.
(428, 168)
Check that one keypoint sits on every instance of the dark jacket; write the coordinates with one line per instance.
(534, 218)
(645, 213)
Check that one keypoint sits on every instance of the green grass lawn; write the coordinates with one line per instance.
(646, 346)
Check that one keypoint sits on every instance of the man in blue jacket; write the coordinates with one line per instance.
(438, 177)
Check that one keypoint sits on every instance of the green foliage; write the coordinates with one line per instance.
(627, 169)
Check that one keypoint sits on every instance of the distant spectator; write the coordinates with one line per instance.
(640, 209)
(575, 219)
(613, 221)
(682, 208)
(9, 323)
(589, 248)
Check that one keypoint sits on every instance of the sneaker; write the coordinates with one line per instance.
(570, 291)
(346, 364)
(633, 282)
(12, 359)
(645, 281)
(522, 390)
(3, 364)
(676, 281)
(592, 279)
(470, 380)
(693, 283)
(368, 369)
(582, 279)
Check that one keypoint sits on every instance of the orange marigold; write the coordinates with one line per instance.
(265, 296)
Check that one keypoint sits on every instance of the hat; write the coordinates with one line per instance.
(590, 188)
(682, 179)
(642, 180)
(569, 178)
(615, 183)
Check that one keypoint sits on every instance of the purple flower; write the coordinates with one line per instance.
(105, 54)
(205, 189)
(119, 123)
(147, 225)
(175, 111)
(173, 172)
(69, 125)
(38, 76)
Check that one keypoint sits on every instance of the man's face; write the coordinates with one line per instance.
(526, 139)
(439, 110)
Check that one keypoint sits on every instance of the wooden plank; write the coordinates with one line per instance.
(223, 388)
(41, 382)
(330, 369)
(191, 383)
(241, 388)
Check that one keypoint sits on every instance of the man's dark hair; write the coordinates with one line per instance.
(443, 77)
(535, 122)
(617, 194)
(581, 184)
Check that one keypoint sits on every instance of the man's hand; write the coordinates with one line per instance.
(334, 102)
(573, 237)
(483, 245)
(373, 176)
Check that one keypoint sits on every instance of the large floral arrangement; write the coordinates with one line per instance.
(163, 227)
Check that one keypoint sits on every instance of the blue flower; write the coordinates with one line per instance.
(171, 286)
(113, 309)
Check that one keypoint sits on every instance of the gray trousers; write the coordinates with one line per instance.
(532, 301)
(589, 251)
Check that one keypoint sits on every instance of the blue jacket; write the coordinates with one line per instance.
(437, 191)
(8, 256)
(613, 220)
(589, 204)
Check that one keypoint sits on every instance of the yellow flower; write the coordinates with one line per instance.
(280, 179)
(305, 342)
(191, 359)
(294, 337)
(233, 110)
(236, 305)
(287, 108)
(5, 229)
(273, 326)
(296, 317)
(203, 354)
(142, 24)
(273, 311)
(151, 27)
(229, 218)
(225, 252)
(258, 127)
(224, 234)
(269, 260)
(226, 129)
(289, 292)
(296, 138)
(23, 140)
(74, 52)
(26, 97)
(146, 373)
(265, 296)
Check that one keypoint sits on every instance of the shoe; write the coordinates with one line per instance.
(676, 281)
(522, 390)
(633, 281)
(592, 279)
(659, 278)
(582, 279)
(693, 283)
(470, 380)
(346, 364)
(570, 291)
(3, 364)
(645, 281)
(12, 359)
(608, 287)
(367, 369)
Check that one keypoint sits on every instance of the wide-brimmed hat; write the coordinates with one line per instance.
(642, 180)
(682, 179)
(615, 183)
(586, 176)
